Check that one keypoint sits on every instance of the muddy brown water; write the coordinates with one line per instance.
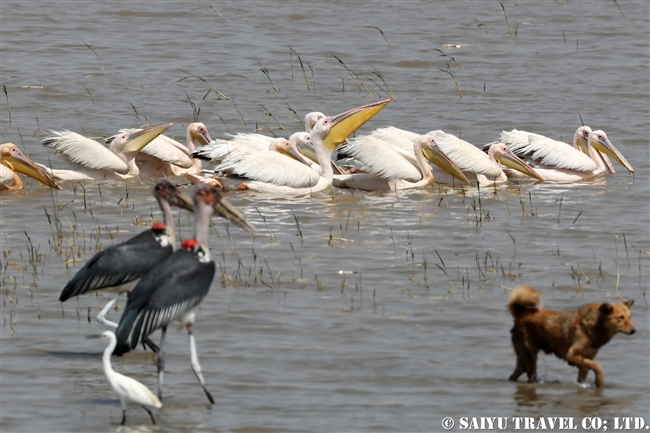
(350, 311)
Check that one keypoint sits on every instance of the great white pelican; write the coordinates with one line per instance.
(14, 162)
(290, 177)
(560, 162)
(387, 167)
(475, 164)
(94, 161)
(164, 156)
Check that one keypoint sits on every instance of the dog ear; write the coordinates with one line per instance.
(629, 302)
(606, 308)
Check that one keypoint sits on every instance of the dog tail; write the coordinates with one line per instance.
(522, 299)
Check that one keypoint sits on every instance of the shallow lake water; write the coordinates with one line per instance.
(350, 311)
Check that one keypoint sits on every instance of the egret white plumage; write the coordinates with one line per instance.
(389, 168)
(13, 162)
(290, 177)
(128, 390)
(560, 162)
(94, 161)
(118, 268)
(178, 284)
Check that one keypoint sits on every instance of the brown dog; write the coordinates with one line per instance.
(574, 336)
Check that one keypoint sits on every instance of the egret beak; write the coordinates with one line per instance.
(19, 163)
(345, 124)
(140, 139)
(608, 148)
(224, 209)
(510, 160)
(436, 156)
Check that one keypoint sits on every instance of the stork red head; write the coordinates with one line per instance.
(189, 244)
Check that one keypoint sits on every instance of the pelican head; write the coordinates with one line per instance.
(345, 124)
(504, 156)
(300, 138)
(13, 158)
(580, 139)
(134, 141)
(165, 190)
(435, 155)
(199, 133)
(599, 141)
(287, 148)
(311, 119)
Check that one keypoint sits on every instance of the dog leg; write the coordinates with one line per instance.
(587, 364)
(518, 372)
(520, 351)
(531, 366)
(582, 374)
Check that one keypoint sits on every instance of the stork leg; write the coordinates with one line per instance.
(150, 414)
(150, 344)
(194, 361)
(123, 416)
(101, 316)
(161, 361)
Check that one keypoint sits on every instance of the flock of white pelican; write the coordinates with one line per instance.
(320, 157)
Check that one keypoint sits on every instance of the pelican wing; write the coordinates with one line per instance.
(381, 159)
(270, 167)
(165, 149)
(466, 156)
(398, 137)
(255, 141)
(86, 152)
(546, 151)
(220, 150)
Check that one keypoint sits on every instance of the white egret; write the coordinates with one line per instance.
(129, 391)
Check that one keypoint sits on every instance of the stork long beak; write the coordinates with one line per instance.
(510, 160)
(608, 148)
(224, 209)
(435, 155)
(140, 139)
(21, 164)
(181, 200)
(344, 124)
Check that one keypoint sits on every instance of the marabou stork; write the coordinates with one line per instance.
(118, 268)
(177, 285)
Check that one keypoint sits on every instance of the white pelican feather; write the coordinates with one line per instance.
(77, 149)
(546, 151)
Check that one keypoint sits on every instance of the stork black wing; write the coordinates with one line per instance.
(170, 290)
(117, 265)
